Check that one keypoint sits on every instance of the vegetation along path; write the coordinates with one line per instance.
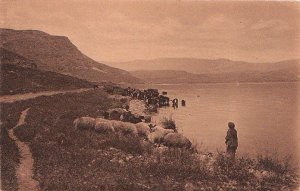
(19, 97)
(24, 171)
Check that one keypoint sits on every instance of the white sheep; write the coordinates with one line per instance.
(124, 127)
(158, 134)
(143, 129)
(84, 123)
(176, 140)
(103, 126)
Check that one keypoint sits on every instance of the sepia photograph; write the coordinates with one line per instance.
(150, 95)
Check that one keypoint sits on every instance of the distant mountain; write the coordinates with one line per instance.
(174, 76)
(58, 54)
(202, 70)
(204, 66)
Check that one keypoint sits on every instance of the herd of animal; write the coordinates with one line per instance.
(121, 121)
(125, 115)
(156, 135)
(151, 97)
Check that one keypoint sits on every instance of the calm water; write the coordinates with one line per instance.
(267, 116)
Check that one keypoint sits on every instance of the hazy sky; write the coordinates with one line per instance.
(129, 30)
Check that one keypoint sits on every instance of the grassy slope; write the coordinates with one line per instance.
(9, 161)
(8, 57)
(15, 80)
(68, 159)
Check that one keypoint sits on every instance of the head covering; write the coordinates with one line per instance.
(231, 125)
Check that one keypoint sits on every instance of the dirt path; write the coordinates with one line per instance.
(24, 171)
(19, 97)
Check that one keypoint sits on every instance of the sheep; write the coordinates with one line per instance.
(163, 130)
(103, 126)
(116, 113)
(143, 129)
(176, 140)
(84, 123)
(158, 134)
(124, 127)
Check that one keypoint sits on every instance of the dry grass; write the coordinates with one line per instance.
(9, 161)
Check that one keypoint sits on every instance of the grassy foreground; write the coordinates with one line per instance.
(69, 159)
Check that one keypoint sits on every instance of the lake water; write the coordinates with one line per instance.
(267, 115)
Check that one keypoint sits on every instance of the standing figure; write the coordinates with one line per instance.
(231, 141)
(175, 103)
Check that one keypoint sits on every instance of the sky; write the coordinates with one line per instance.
(115, 31)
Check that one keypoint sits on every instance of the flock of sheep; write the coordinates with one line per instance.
(157, 134)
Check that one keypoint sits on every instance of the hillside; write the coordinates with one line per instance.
(15, 80)
(8, 57)
(58, 54)
(174, 76)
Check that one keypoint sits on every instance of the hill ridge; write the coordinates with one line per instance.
(205, 66)
(59, 54)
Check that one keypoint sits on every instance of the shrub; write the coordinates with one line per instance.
(269, 163)
(282, 170)
(238, 170)
(176, 163)
(168, 123)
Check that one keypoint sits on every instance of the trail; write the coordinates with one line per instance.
(19, 97)
(24, 171)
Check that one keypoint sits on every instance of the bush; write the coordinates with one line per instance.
(176, 163)
(269, 163)
(263, 173)
(168, 123)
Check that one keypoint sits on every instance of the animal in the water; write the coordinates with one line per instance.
(182, 102)
(175, 103)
